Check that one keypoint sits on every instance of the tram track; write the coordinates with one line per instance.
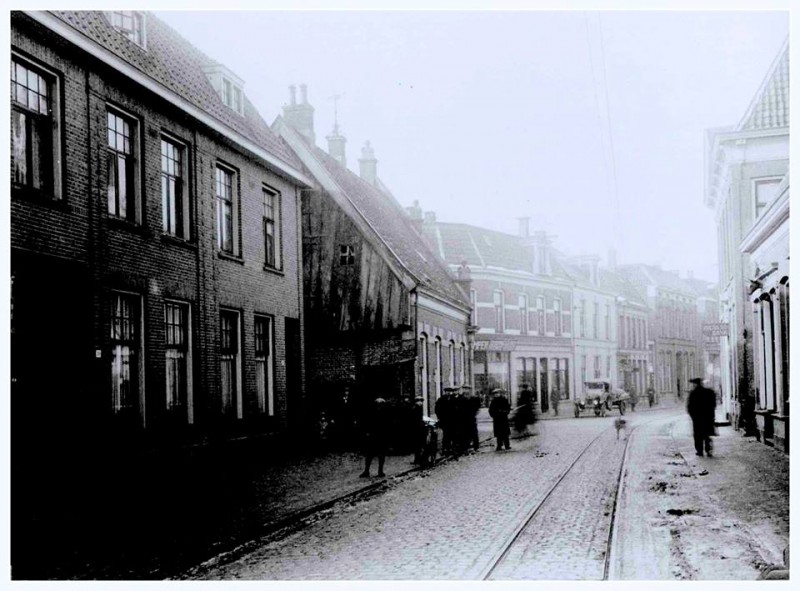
(491, 569)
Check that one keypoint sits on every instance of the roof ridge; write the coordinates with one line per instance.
(783, 53)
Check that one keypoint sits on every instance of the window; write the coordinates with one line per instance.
(608, 367)
(125, 344)
(272, 226)
(423, 367)
(174, 205)
(225, 210)
(596, 321)
(540, 314)
(608, 322)
(452, 356)
(764, 191)
(462, 371)
(264, 376)
(129, 23)
(583, 318)
(523, 314)
(121, 167)
(499, 311)
(33, 123)
(437, 368)
(232, 95)
(583, 369)
(473, 300)
(347, 254)
(176, 346)
(557, 317)
(229, 364)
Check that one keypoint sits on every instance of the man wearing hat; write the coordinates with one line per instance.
(700, 405)
(445, 415)
(418, 428)
(499, 408)
(473, 405)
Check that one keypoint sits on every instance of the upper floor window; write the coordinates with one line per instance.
(272, 226)
(232, 95)
(499, 311)
(764, 191)
(596, 321)
(557, 317)
(523, 313)
(121, 166)
(130, 23)
(347, 254)
(608, 322)
(226, 204)
(33, 125)
(473, 300)
(540, 326)
(583, 318)
(174, 205)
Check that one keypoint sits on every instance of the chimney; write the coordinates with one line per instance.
(415, 214)
(612, 259)
(300, 116)
(464, 277)
(524, 227)
(590, 263)
(541, 253)
(336, 146)
(430, 218)
(368, 165)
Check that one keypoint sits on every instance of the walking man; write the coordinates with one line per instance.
(700, 405)
(376, 436)
(555, 398)
(499, 408)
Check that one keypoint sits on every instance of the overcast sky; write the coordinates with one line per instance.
(591, 123)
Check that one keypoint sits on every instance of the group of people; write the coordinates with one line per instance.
(457, 414)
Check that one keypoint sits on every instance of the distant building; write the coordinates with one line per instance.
(672, 305)
(522, 307)
(746, 186)
(706, 341)
(385, 317)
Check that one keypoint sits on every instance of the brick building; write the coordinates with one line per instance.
(156, 287)
(383, 315)
(522, 306)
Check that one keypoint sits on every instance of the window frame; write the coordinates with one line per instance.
(53, 189)
(233, 203)
(136, 344)
(760, 208)
(184, 193)
(129, 33)
(186, 348)
(265, 398)
(557, 317)
(232, 408)
(275, 222)
(499, 310)
(347, 255)
(522, 303)
(133, 201)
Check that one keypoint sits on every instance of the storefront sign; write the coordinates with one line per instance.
(716, 329)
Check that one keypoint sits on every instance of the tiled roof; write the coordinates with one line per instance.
(481, 247)
(393, 226)
(179, 66)
(651, 275)
(770, 107)
(617, 283)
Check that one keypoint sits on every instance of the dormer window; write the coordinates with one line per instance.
(228, 86)
(131, 23)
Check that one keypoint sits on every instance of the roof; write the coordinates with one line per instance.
(481, 247)
(641, 274)
(177, 65)
(770, 106)
(616, 282)
(391, 225)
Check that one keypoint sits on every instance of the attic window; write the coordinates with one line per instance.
(130, 23)
(232, 95)
(347, 254)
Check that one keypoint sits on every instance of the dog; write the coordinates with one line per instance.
(619, 425)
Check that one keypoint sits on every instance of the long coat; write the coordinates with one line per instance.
(498, 410)
(700, 405)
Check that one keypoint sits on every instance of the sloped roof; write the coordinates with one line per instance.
(617, 283)
(481, 247)
(391, 224)
(641, 274)
(179, 66)
(770, 106)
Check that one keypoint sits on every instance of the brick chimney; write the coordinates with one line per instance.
(336, 146)
(541, 253)
(300, 115)
(368, 165)
(415, 213)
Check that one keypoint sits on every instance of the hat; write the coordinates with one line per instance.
(697, 381)
(467, 387)
(498, 391)
(450, 389)
(420, 398)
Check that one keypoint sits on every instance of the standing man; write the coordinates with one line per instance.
(700, 405)
(498, 410)
(524, 415)
(376, 435)
(555, 398)
(473, 405)
(444, 415)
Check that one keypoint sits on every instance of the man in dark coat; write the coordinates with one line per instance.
(499, 408)
(523, 415)
(700, 405)
(473, 406)
(376, 435)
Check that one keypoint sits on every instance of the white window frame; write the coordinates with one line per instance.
(275, 221)
(775, 181)
(139, 404)
(499, 319)
(187, 307)
(524, 325)
(235, 249)
(237, 360)
(423, 368)
(557, 319)
(473, 299)
(184, 232)
(134, 201)
(232, 95)
(437, 369)
(541, 316)
(265, 396)
(115, 20)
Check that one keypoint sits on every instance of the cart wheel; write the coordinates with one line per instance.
(622, 408)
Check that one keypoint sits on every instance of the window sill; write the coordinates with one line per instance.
(44, 198)
(274, 270)
(230, 257)
(169, 239)
(124, 224)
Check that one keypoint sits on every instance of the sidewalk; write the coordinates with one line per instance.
(702, 518)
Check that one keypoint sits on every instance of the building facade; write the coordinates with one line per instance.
(745, 169)
(521, 307)
(385, 317)
(154, 241)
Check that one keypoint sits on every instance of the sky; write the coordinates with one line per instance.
(589, 123)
